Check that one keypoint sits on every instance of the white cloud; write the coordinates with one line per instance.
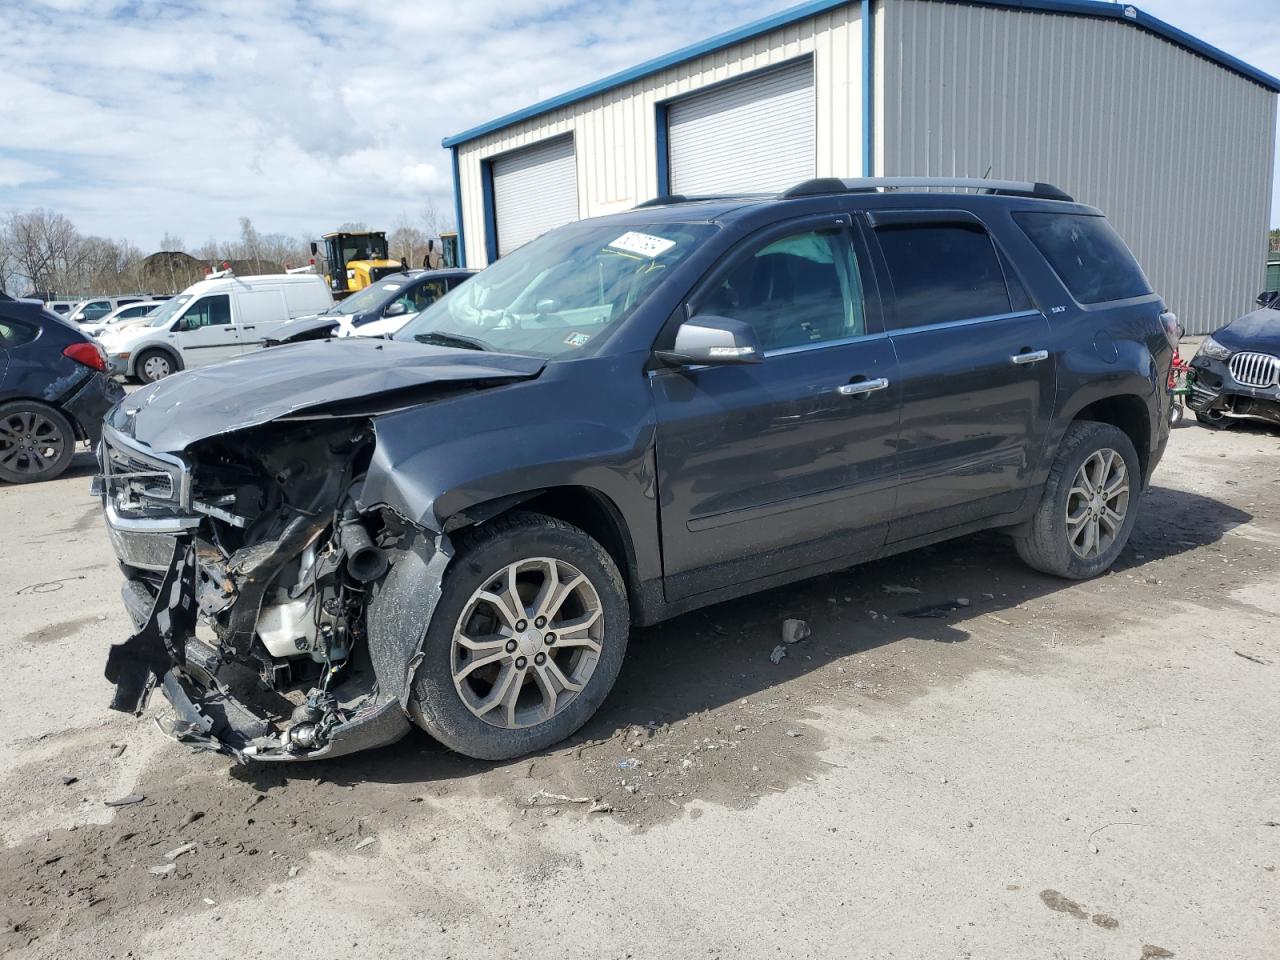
(136, 117)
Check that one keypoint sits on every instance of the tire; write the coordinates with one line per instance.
(154, 365)
(37, 442)
(1048, 545)
(454, 710)
(1214, 421)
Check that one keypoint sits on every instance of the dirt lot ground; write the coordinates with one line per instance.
(1047, 770)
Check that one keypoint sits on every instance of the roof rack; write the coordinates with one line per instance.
(1006, 188)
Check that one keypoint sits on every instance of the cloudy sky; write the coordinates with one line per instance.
(137, 117)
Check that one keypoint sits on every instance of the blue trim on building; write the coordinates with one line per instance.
(1084, 8)
(490, 211)
(663, 151)
(457, 212)
(868, 89)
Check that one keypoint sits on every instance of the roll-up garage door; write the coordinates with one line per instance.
(752, 136)
(755, 135)
(534, 189)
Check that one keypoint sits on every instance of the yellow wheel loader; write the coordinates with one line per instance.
(354, 260)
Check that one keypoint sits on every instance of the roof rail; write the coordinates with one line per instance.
(1007, 188)
(662, 201)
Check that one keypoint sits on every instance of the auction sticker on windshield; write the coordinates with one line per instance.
(643, 244)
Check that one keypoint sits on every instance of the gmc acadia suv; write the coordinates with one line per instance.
(626, 419)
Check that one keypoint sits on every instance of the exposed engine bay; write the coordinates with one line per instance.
(278, 627)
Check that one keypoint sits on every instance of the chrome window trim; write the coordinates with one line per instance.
(821, 344)
(968, 322)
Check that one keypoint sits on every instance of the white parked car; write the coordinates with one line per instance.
(218, 318)
(121, 317)
(95, 309)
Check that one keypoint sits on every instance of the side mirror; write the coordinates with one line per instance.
(397, 309)
(713, 341)
(315, 249)
(1267, 297)
(545, 308)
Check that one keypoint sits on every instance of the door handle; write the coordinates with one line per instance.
(862, 387)
(1030, 356)
(249, 328)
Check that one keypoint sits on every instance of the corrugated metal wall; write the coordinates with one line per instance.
(615, 131)
(1175, 149)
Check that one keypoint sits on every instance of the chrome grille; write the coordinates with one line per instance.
(1256, 369)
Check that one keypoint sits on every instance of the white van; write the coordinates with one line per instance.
(217, 318)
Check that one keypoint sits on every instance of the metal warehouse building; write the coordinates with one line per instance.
(1174, 139)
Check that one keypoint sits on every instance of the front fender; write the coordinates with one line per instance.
(588, 424)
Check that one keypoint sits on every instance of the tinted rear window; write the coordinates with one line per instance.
(943, 272)
(1087, 254)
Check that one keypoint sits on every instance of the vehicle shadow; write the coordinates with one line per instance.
(716, 656)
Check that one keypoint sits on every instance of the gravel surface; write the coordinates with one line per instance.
(1034, 769)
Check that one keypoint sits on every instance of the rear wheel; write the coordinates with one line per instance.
(36, 442)
(525, 642)
(154, 365)
(1088, 506)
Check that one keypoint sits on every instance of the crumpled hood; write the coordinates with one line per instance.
(171, 414)
(1259, 331)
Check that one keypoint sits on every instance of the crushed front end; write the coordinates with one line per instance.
(1236, 385)
(270, 603)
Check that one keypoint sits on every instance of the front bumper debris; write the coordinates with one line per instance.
(1216, 392)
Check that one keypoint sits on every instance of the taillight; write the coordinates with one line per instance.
(90, 354)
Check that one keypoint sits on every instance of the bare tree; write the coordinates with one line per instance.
(170, 243)
(407, 242)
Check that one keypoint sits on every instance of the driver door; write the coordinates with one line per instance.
(205, 333)
(789, 463)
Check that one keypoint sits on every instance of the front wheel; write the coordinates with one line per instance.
(526, 640)
(154, 365)
(1088, 506)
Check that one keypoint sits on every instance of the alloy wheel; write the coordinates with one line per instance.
(1097, 503)
(30, 443)
(527, 642)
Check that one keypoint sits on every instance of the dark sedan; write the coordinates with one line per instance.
(54, 392)
(1237, 370)
(395, 295)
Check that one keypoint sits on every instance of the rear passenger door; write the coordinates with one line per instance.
(974, 366)
(259, 313)
(789, 463)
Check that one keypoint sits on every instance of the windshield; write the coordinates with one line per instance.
(169, 309)
(557, 294)
(363, 247)
(367, 299)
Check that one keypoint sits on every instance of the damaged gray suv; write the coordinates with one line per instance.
(626, 419)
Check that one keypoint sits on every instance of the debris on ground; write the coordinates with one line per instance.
(117, 750)
(68, 780)
(164, 869)
(600, 807)
(178, 851)
(1249, 656)
(365, 842)
(793, 631)
(125, 801)
(779, 652)
(628, 763)
(558, 798)
(896, 588)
